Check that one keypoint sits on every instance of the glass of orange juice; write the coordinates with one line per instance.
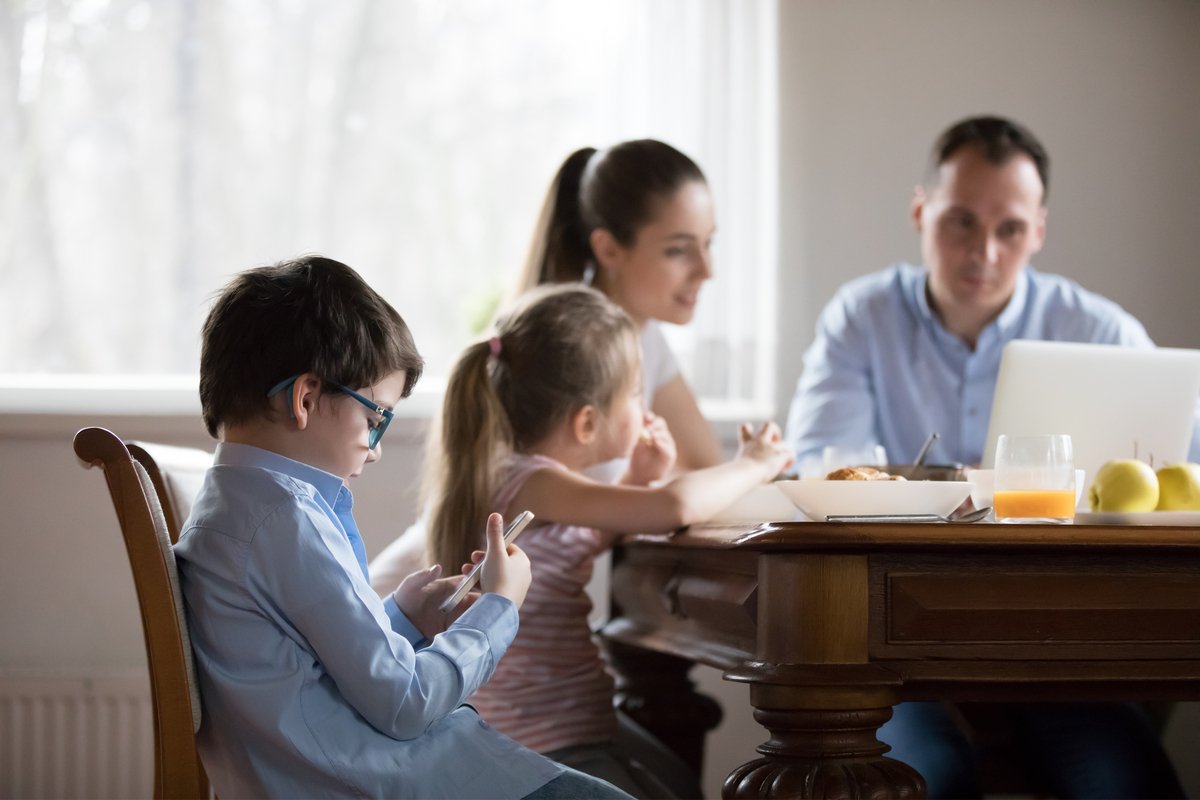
(1035, 479)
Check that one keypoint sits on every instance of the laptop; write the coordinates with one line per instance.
(1114, 401)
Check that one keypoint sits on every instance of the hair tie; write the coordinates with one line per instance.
(494, 346)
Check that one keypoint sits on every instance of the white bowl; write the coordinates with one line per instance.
(761, 504)
(985, 482)
(819, 498)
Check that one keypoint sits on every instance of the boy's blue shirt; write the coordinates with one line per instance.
(312, 686)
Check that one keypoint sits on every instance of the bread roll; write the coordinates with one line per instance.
(861, 474)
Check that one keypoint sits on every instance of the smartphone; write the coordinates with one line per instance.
(468, 583)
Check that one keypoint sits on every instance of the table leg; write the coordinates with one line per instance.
(823, 742)
(813, 688)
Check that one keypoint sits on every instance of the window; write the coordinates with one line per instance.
(152, 148)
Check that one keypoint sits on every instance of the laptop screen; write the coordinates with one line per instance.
(1115, 402)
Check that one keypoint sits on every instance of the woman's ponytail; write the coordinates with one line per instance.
(560, 251)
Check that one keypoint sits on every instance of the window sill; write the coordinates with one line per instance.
(167, 406)
(33, 404)
(133, 395)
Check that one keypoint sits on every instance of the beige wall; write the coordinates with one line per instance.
(1111, 88)
(65, 584)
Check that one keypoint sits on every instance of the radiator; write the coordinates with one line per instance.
(73, 736)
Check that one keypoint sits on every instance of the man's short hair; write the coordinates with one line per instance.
(309, 314)
(998, 139)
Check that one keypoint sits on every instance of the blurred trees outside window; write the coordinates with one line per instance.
(151, 148)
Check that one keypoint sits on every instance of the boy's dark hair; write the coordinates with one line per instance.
(309, 314)
(997, 139)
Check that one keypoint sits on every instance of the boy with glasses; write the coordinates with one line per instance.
(312, 685)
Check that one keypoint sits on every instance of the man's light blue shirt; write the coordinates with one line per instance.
(311, 685)
(884, 370)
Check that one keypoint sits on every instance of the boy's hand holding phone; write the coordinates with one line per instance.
(503, 568)
(431, 603)
(506, 569)
(419, 596)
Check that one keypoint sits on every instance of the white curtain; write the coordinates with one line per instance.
(150, 148)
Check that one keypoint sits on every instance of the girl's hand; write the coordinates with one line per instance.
(764, 446)
(653, 455)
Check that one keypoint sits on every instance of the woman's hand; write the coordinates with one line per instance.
(653, 455)
(766, 447)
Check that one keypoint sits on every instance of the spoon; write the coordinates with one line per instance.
(920, 459)
(970, 516)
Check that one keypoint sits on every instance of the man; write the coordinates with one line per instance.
(910, 350)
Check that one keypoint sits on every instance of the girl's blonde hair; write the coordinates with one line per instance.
(558, 349)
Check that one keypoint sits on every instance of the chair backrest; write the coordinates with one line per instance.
(176, 473)
(176, 699)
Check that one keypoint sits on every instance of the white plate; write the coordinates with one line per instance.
(761, 504)
(1137, 518)
(819, 498)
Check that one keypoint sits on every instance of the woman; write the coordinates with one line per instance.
(635, 221)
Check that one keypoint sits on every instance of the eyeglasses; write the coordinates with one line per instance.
(375, 428)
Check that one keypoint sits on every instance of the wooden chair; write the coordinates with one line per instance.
(176, 473)
(176, 698)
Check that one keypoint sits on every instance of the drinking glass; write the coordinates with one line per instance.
(1035, 479)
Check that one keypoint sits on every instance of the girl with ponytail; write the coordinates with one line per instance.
(635, 221)
(553, 392)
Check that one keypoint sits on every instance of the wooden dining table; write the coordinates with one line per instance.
(831, 624)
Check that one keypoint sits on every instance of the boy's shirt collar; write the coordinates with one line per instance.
(328, 485)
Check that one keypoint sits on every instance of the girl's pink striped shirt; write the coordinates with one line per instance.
(550, 689)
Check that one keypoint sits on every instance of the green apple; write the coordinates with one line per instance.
(1124, 485)
(1179, 488)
